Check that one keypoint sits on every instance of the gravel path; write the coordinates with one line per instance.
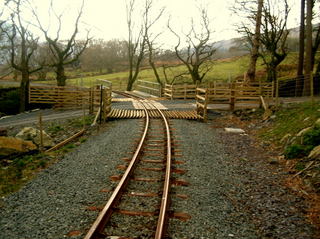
(33, 117)
(231, 193)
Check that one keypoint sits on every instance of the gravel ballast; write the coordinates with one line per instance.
(233, 193)
(227, 197)
(55, 203)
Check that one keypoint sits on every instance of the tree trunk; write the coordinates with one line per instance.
(130, 82)
(301, 40)
(24, 91)
(256, 43)
(271, 73)
(60, 75)
(299, 82)
(308, 60)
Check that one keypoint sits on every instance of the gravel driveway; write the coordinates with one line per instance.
(232, 193)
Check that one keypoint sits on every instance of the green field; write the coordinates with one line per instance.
(225, 69)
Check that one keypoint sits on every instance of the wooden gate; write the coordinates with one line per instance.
(70, 97)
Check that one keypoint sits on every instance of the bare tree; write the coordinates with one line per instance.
(104, 56)
(199, 48)
(301, 39)
(22, 46)
(63, 52)
(136, 46)
(150, 38)
(308, 56)
(273, 36)
(255, 43)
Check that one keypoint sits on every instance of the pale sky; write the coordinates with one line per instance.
(107, 18)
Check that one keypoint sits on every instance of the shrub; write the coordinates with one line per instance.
(312, 137)
(295, 151)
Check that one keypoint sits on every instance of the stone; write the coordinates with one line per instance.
(315, 153)
(234, 130)
(11, 145)
(273, 161)
(273, 116)
(29, 133)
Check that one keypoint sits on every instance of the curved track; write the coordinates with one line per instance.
(98, 227)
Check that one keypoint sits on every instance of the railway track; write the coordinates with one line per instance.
(144, 185)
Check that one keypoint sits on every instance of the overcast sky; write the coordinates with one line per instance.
(107, 18)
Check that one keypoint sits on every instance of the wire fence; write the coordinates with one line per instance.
(298, 86)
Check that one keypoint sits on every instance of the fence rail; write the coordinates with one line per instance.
(233, 95)
(152, 88)
(184, 91)
(68, 97)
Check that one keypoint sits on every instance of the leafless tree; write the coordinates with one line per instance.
(150, 38)
(63, 52)
(301, 39)
(174, 75)
(274, 34)
(104, 56)
(136, 45)
(308, 48)
(199, 48)
(250, 14)
(255, 43)
(21, 48)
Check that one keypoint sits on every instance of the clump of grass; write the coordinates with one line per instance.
(291, 120)
(55, 128)
(82, 140)
(78, 122)
(15, 173)
(296, 151)
(312, 137)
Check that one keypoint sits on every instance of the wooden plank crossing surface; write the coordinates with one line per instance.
(137, 113)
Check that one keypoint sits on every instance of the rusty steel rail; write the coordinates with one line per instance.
(160, 231)
(100, 223)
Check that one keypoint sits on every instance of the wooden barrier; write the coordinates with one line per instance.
(152, 88)
(64, 97)
(184, 91)
(232, 94)
(68, 97)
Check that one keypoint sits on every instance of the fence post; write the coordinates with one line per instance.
(277, 92)
(172, 92)
(41, 132)
(311, 88)
(232, 96)
(205, 108)
(101, 92)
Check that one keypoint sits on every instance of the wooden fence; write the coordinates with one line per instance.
(233, 95)
(152, 88)
(184, 91)
(67, 97)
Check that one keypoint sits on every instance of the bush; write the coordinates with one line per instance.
(295, 151)
(312, 137)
